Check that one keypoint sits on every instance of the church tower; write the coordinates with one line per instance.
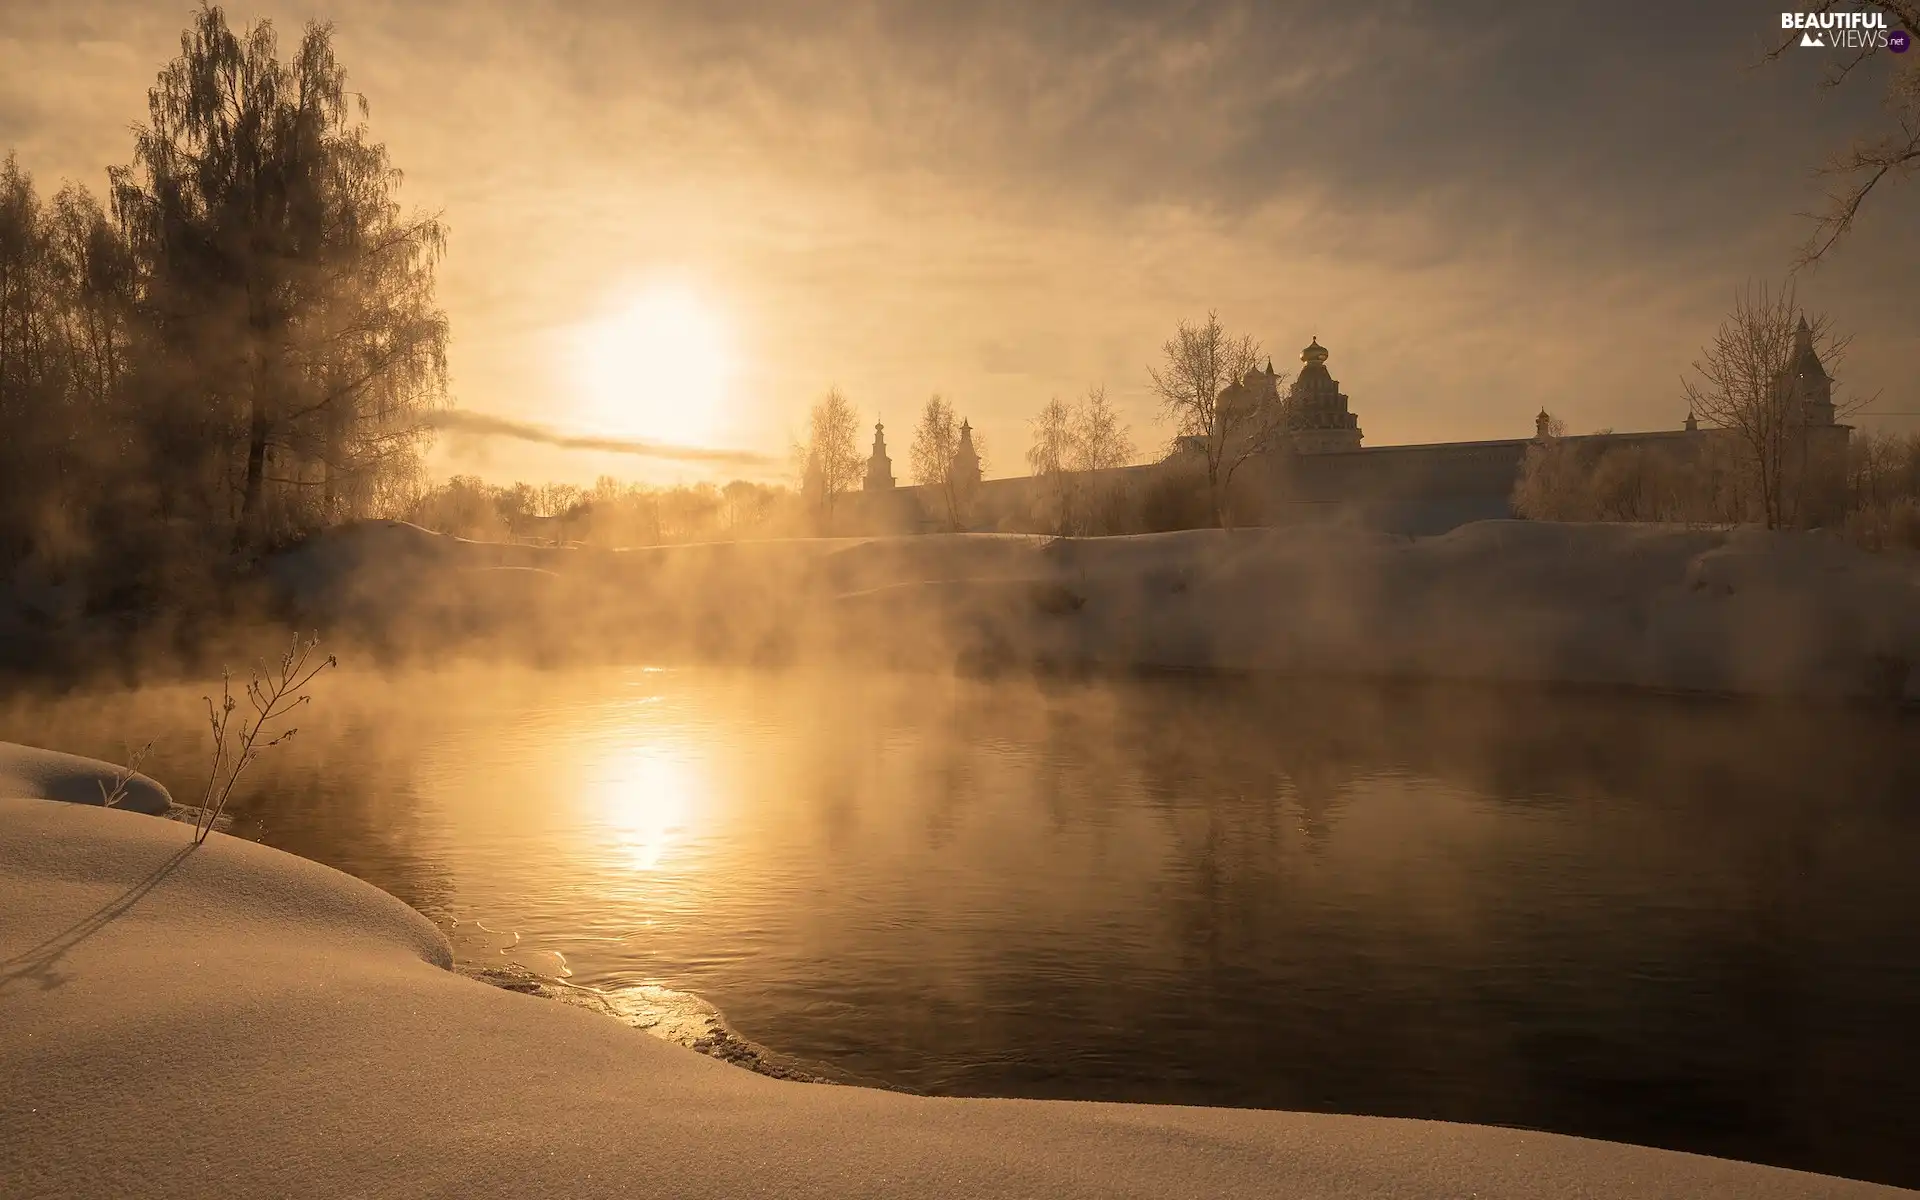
(1822, 490)
(879, 466)
(1319, 421)
(1810, 388)
(966, 463)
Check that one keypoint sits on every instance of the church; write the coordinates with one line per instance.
(1323, 470)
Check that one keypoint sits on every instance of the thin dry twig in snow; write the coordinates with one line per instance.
(272, 695)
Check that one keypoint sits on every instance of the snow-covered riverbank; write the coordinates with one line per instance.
(236, 1021)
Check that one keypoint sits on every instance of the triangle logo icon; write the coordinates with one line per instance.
(1808, 39)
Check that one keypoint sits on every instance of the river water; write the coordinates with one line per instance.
(1679, 923)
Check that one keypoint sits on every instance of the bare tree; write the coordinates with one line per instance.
(1052, 450)
(1101, 445)
(1893, 151)
(1072, 443)
(830, 463)
(745, 504)
(934, 454)
(1744, 385)
(1883, 489)
(1050, 458)
(1101, 441)
(1201, 385)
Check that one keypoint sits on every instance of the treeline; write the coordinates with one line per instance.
(1766, 455)
(238, 343)
(1570, 479)
(1076, 450)
(609, 514)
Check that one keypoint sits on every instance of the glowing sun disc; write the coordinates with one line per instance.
(660, 367)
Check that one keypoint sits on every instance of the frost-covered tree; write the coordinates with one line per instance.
(288, 296)
(829, 460)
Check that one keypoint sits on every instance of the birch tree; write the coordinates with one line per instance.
(293, 297)
(830, 462)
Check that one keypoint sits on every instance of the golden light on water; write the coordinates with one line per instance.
(658, 366)
(645, 800)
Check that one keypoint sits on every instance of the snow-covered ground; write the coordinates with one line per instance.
(236, 1021)
(1660, 607)
(50, 775)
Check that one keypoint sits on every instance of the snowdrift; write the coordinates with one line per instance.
(1741, 612)
(234, 1021)
(28, 772)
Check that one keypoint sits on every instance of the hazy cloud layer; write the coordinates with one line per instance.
(472, 424)
(1481, 209)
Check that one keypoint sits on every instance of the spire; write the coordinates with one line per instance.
(1806, 361)
(879, 466)
(966, 461)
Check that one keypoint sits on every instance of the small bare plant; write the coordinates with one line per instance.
(273, 695)
(122, 776)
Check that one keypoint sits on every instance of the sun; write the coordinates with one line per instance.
(658, 367)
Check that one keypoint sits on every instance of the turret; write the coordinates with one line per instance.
(1318, 419)
(1810, 387)
(966, 463)
(879, 466)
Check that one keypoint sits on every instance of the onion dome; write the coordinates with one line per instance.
(1314, 354)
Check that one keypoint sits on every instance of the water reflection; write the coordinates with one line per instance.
(644, 798)
(1678, 923)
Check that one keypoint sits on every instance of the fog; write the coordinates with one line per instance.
(1652, 607)
(1537, 778)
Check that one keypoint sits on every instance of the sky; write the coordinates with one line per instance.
(683, 223)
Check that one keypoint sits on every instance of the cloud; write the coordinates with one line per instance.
(462, 421)
(1480, 207)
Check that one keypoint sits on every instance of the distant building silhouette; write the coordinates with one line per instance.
(966, 464)
(1320, 469)
(1318, 418)
(879, 466)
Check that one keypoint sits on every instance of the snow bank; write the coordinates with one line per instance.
(1744, 612)
(30, 773)
(235, 1021)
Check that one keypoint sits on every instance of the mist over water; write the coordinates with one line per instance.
(1678, 923)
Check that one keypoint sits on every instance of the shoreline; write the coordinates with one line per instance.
(677, 1017)
(352, 1058)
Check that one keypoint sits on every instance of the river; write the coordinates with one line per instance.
(1675, 922)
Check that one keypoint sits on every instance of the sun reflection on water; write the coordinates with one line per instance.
(645, 797)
